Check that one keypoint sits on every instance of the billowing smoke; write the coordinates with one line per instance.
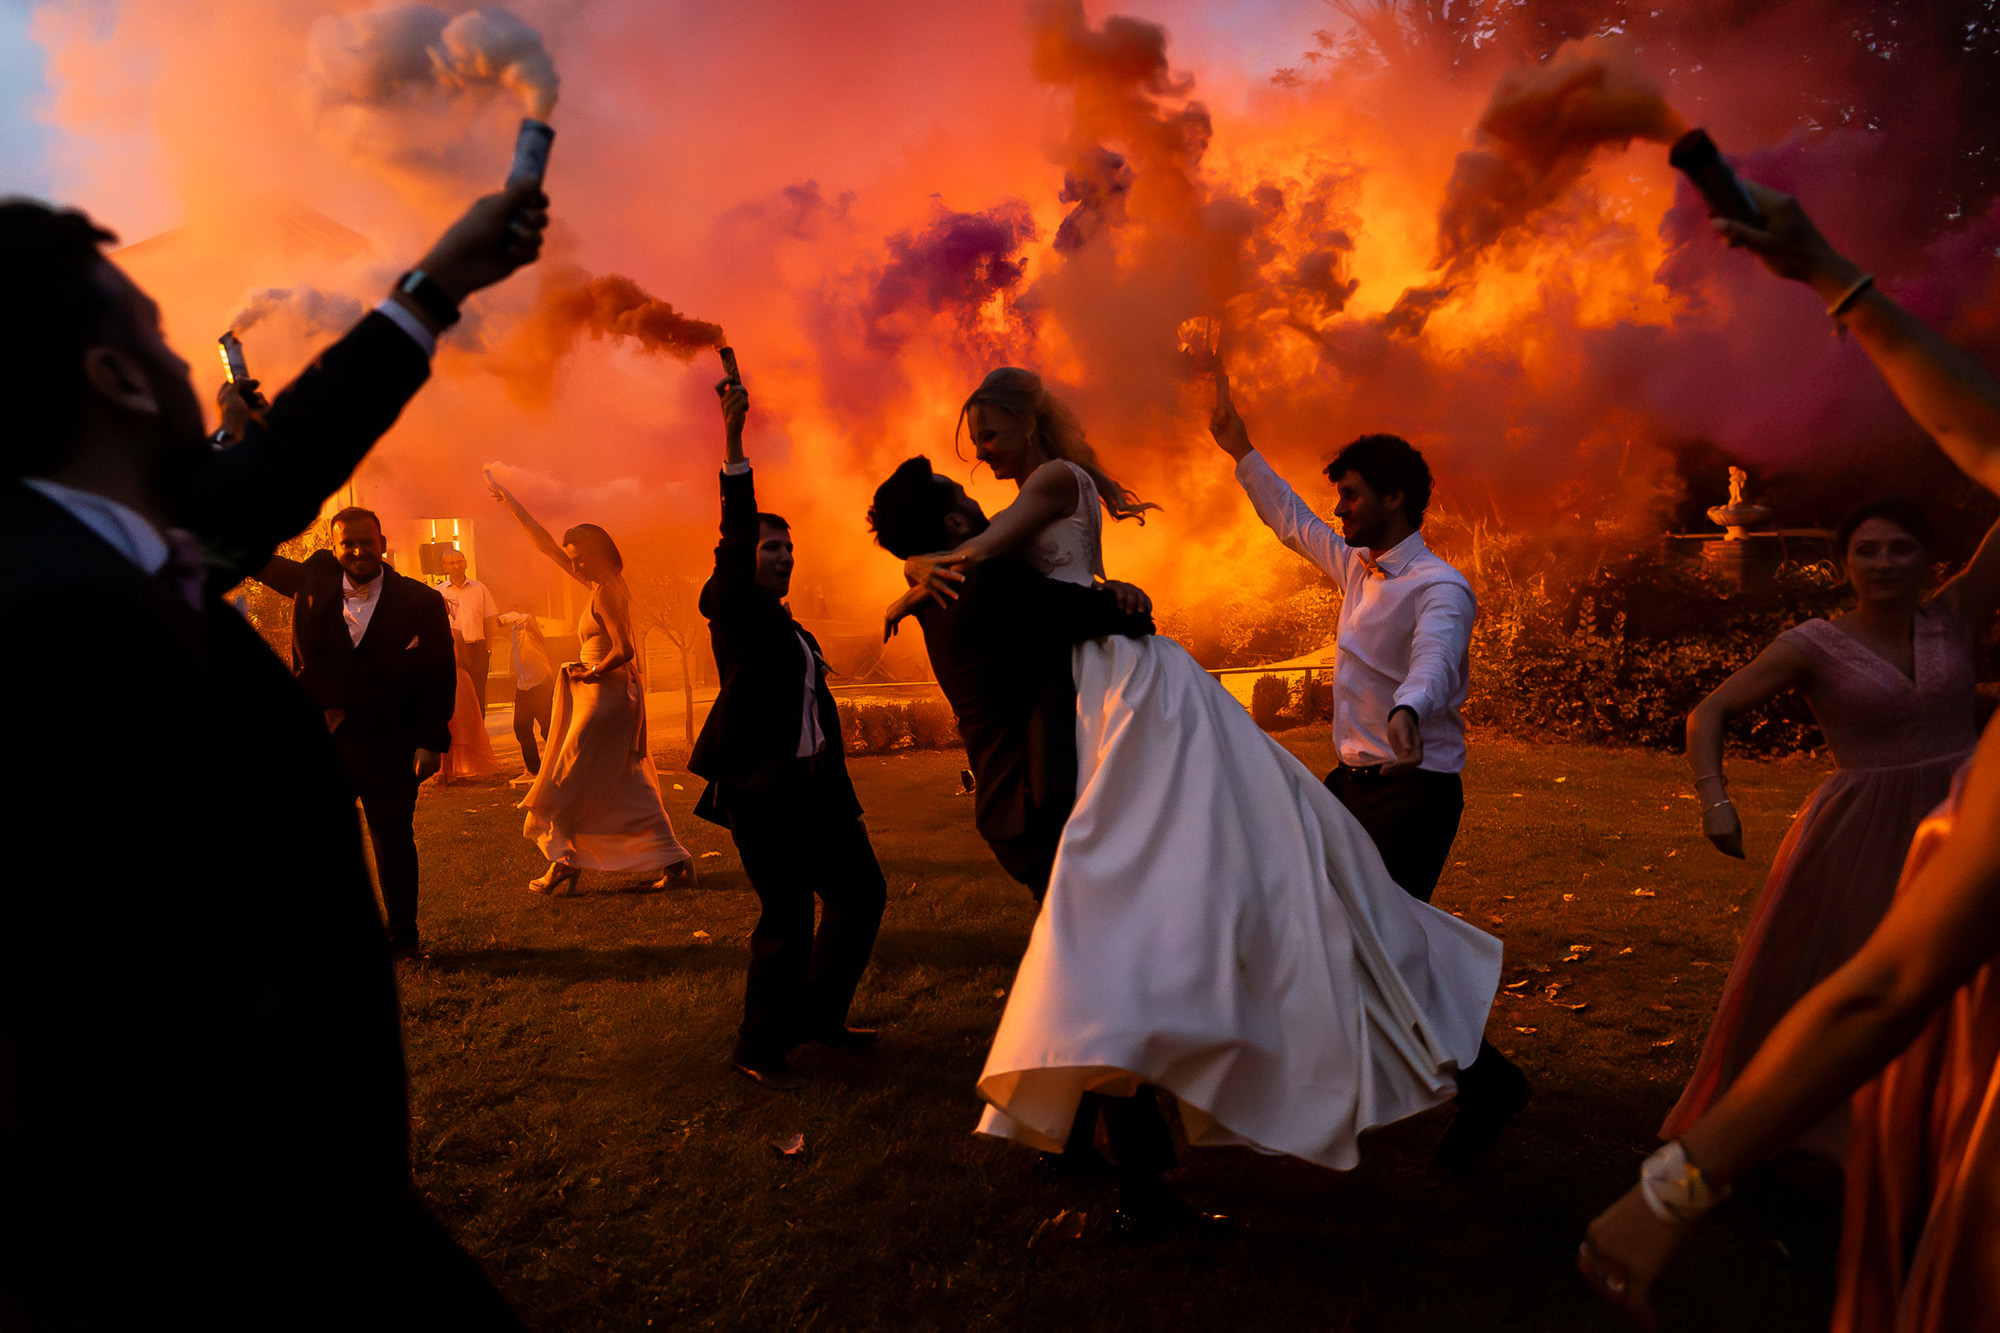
(616, 308)
(317, 313)
(376, 56)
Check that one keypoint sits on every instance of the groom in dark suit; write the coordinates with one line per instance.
(1001, 654)
(202, 1097)
(374, 652)
(777, 779)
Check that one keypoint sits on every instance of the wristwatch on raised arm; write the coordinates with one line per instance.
(422, 288)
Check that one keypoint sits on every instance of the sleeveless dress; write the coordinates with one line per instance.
(1218, 925)
(596, 802)
(1920, 1233)
(1897, 743)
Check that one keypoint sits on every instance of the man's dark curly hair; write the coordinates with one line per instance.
(909, 511)
(57, 308)
(1387, 463)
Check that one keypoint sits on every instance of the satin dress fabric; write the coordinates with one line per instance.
(471, 753)
(1218, 925)
(1897, 742)
(1920, 1240)
(596, 802)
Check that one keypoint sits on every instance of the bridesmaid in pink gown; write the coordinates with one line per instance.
(1907, 1031)
(1892, 686)
(471, 754)
(595, 804)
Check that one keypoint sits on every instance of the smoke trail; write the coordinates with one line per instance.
(379, 55)
(1538, 135)
(616, 308)
(953, 267)
(317, 312)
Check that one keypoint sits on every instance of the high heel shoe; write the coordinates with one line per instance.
(679, 875)
(558, 882)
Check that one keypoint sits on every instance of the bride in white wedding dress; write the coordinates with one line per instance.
(1217, 923)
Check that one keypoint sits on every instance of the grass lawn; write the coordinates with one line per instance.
(577, 1125)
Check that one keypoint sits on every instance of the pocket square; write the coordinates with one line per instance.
(412, 643)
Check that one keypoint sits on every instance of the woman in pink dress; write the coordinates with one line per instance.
(1909, 1027)
(1891, 683)
(595, 805)
(471, 754)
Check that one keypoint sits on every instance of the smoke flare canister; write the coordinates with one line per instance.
(1695, 155)
(728, 355)
(232, 357)
(531, 153)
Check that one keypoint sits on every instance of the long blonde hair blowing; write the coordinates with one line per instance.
(1019, 393)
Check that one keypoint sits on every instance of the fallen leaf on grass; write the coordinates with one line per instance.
(1065, 1225)
(1571, 1007)
(1562, 779)
(1516, 985)
(999, 995)
(1527, 1029)
(1553, 987)
(1644, 893)
(1496, 920)
(1624, 951)
(1660, 1045)
(702, 937)
(1513, 793)
(706, 855)
(1569, 897)
(794, 1146)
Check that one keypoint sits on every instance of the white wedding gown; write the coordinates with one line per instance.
(1218, 925)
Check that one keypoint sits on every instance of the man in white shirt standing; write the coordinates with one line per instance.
(1401, 670)
(475, 621)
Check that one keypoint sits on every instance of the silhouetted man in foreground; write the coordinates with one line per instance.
(202, 1115)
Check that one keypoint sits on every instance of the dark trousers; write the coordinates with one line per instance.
(1140, 1139)
(477, 659)
(531, 709)
(797, 845)
(384, 776)
(1413, 818)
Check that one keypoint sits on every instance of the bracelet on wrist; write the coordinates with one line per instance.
(1675, 1189)
(1847, 298)
(1718, 805)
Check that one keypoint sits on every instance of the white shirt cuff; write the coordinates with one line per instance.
(736, 469)
(411, 325)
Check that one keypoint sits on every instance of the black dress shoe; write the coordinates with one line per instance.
(846, 1038)
(1483, 1115)
(774, 1074)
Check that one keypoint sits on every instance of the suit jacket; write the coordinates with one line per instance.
(200, 1055)
(1001, 653)
(750, 741)
(398, 685)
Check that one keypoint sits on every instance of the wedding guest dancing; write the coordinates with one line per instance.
(201, 1070)
(1891, 684)
(595, 804)
(534, 684)
(1909, 1027)
(373, 652)
(777, 780)
(1400, 676)
(1230, 935)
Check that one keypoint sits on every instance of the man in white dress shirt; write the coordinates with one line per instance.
(475, 621)
(1401, 670)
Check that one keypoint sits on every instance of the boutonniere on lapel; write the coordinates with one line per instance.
(412, 643)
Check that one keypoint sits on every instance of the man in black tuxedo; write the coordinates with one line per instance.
(777, 779)
(202, 1100)
(374, 652)
(1001, 654)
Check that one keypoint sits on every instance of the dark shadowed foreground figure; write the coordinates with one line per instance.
(777, 779)
(202, 1119)
(373, 651)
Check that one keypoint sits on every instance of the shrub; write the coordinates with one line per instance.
(932, 726)
(881, 726)
(1268, 698)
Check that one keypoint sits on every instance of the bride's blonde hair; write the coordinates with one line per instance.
(1019, 393)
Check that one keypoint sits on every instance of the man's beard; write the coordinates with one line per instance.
(184, 451)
